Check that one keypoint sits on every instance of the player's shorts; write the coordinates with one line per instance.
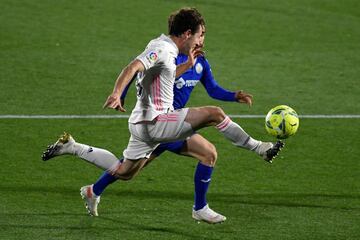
(146, 136)
(174, 147)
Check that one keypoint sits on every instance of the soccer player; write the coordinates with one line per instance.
(154, 121)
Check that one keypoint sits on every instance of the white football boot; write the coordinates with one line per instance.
(64, 145)
(91, 200)
(206, 214)
(268, 151)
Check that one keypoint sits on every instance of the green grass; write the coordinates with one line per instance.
(62, 57)
(306, 194)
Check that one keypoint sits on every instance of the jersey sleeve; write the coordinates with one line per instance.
(150, 57)
(212, 87)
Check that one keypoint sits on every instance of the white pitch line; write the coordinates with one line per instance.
(330, 116)
(62, 116)
(121, 116)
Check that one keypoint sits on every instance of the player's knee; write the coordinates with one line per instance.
(217, 114)
(210, 157)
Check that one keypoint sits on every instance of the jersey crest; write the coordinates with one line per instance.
(198, 68)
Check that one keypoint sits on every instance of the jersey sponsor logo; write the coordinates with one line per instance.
(198, 68)
(152, 56)
(180, 83)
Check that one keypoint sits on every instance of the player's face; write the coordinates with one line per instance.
(195, 40)
(202, 39)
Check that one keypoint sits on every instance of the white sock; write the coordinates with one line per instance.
(237, 135)
(99, 157)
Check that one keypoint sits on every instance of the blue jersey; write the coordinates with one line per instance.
(184, 85)
(200, 72)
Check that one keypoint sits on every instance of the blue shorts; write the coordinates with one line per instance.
(174, 147)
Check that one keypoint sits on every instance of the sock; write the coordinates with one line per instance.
(105, 180)
(237, 135)
(99, 157)
(202, 180)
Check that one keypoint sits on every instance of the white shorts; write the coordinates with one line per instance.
(146, 136)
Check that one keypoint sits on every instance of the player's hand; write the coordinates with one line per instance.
(243, 97)
(197, 51)
(193, 54)
(113, 101)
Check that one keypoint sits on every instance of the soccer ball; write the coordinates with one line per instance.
(282, 122)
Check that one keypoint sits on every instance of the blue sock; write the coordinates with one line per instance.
(202, 180)
(105, 180)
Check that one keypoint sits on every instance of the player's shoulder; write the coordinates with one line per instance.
(203, 61)
(201, 58)
(181, 58)
(166, 43)
(162, 44)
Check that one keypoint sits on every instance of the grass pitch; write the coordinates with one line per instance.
(63, 57)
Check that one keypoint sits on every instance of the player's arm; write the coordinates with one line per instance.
(124, 93)
(183, 67)
(217, 92)
(113, 101)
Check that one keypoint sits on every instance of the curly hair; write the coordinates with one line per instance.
(185, 19)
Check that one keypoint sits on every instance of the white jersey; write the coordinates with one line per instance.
(155, 85)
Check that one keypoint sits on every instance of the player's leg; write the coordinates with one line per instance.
(104, 159)
(91, 193)
(107, 178)
(171, 126)
(214, 116)
(66, 145)
(95, 190)
(124, 170)
(135, 157)
(198, 147)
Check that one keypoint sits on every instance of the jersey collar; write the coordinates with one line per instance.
(170, 41)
